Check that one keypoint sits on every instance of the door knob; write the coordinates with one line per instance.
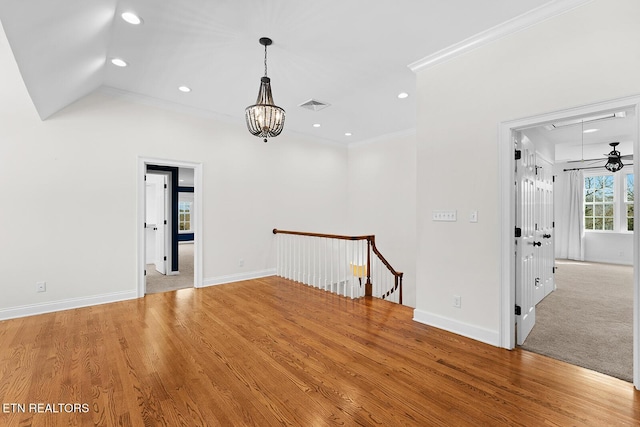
(546, 236)
(537, 243)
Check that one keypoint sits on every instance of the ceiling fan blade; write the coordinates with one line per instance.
(586, 160)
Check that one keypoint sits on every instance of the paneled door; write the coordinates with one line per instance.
(526, 244)
(544, 229)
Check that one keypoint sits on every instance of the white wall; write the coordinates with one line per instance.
(76, 229)
(382, 188)
(562, 62)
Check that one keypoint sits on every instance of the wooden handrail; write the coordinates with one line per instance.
(398, 275)
(328, 236)
(371, 246)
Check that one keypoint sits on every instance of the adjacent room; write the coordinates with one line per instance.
(169, 226)
(584, 312)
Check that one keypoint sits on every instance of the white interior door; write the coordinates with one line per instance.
(161, 224)
(526, 244)
(545, 229)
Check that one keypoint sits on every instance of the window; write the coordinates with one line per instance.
(598, 202)
(184, 219)
(628, 200)
(608, 202)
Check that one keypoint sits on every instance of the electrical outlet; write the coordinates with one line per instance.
(240, 262)
(457, 301)
(41, 286)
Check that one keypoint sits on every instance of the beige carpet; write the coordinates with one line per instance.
(588, 320)
(157, 282)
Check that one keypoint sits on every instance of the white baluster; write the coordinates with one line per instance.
(345, 265)
(314, 261)
(327, 264)
(285, 253)
(337, 257)
(303, 259)
(331, 266)
(310, 240)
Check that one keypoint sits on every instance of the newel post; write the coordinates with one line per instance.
(368, 288)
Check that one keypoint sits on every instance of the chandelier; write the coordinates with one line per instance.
(264, 118)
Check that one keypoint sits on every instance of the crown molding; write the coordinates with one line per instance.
(507, 28)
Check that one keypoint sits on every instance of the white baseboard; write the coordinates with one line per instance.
(470, 331)
(238, 277)
(67, 304)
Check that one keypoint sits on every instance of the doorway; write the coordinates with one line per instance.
(507, 164)
(588, 320)
(182, 210)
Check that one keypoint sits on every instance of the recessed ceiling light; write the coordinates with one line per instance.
(347, 134)
(131, 18)
(118, 62)
(403, 95)
(184, 89)
(316, 125)
(590, 130)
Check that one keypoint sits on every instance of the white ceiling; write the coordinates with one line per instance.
(571, 143)
(352, 54)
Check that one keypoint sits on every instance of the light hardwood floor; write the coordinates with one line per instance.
(273, 352)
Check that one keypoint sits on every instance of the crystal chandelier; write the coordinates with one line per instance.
(264, 118)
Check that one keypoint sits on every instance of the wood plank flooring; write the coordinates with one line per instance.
(273, 352)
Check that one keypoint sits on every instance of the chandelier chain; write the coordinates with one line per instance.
(265, 60)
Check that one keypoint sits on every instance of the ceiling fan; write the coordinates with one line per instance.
(613, 162)
(614, 159)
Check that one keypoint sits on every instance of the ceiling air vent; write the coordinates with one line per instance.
(314, 105)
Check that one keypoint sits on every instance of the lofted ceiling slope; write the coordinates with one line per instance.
(351, 54)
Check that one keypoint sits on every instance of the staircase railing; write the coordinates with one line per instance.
(351, 266)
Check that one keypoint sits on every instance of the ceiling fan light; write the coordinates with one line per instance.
(614, 163)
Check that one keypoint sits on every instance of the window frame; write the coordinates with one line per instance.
(187, 211)
(620, 202)
(626, 202)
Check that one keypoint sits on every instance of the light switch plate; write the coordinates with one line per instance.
(445, 216)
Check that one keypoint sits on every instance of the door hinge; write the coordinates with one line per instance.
(145, 272)
(553, 270)
(518, 154)
(145, 225)
(165, 222)
(553, 224)
(518, 310)
(165, 258)
(518, 232)
(145, 177)
(165, 186)
(553, 178)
